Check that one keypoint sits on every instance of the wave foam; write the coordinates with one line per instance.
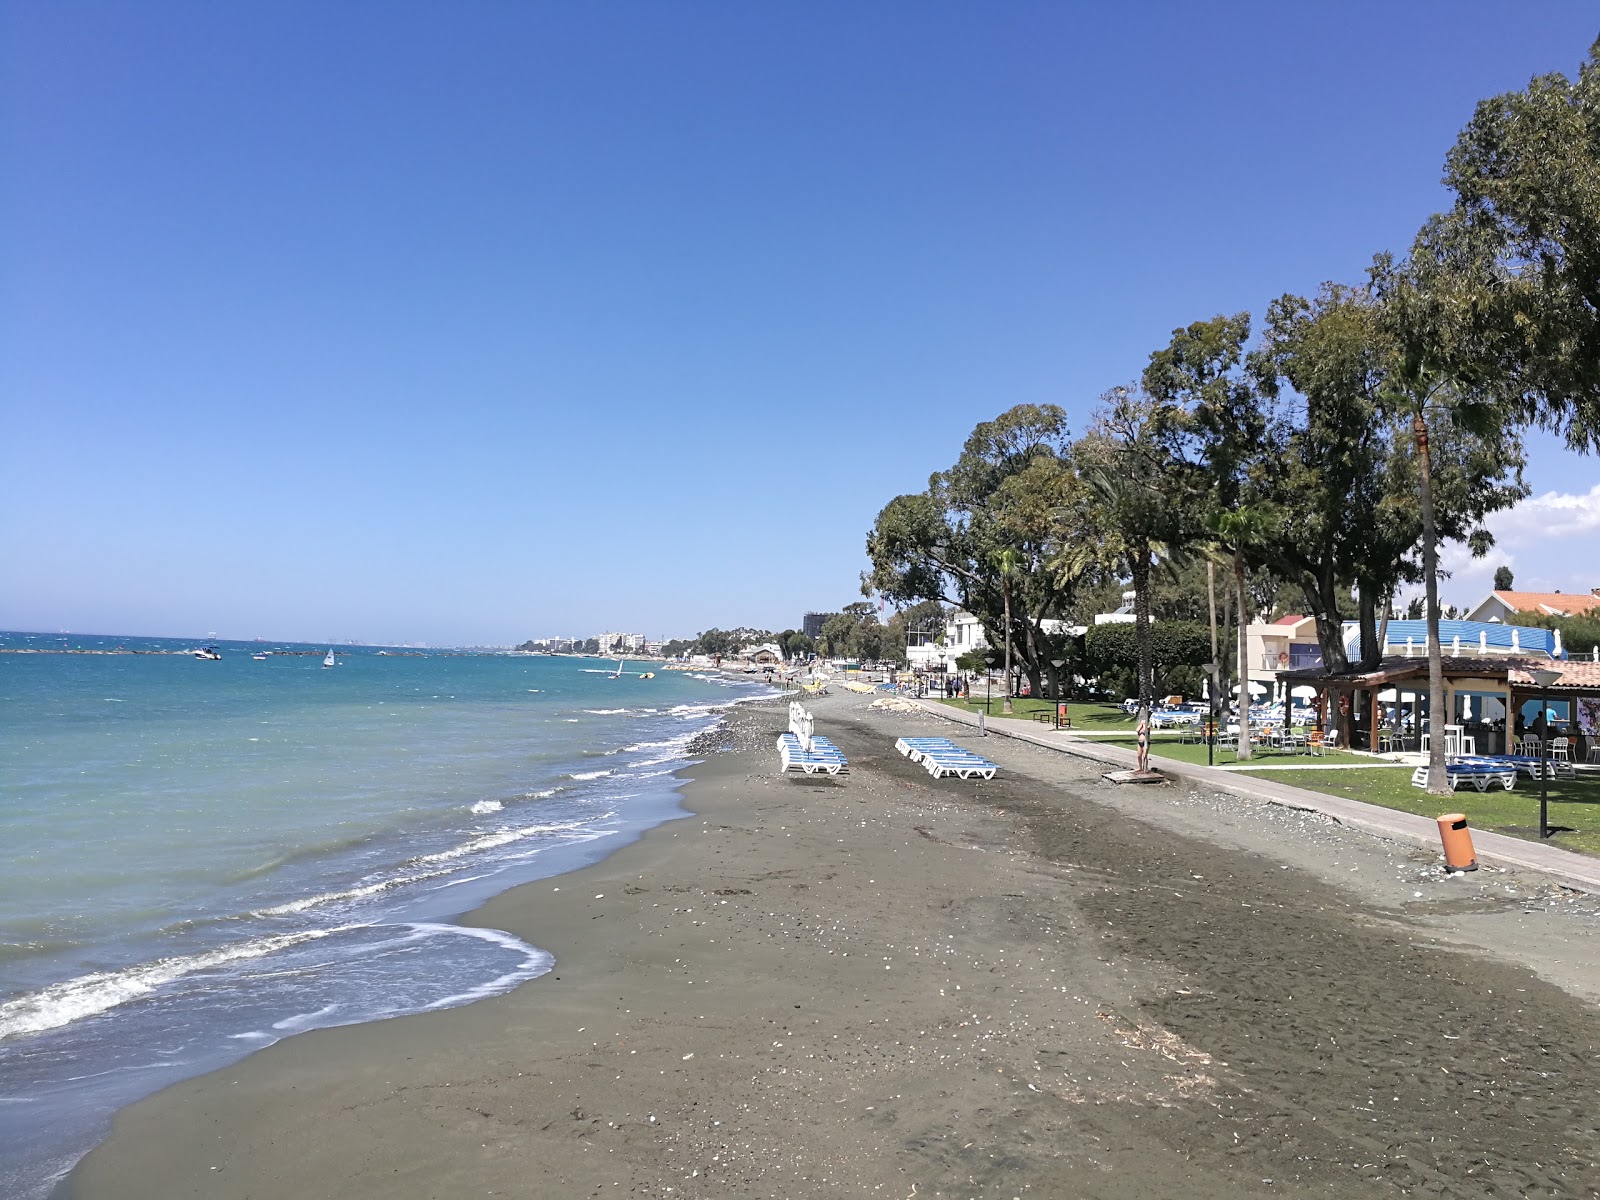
(486, 806)
(585, 776)
(88, 995)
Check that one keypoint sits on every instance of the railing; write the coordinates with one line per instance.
(1300, 658)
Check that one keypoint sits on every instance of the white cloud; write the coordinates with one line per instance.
(1551, 543)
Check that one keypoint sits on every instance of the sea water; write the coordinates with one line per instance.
(199, 858)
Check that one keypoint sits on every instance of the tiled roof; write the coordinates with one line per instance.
(1564, 602)
(1293, 619)
(1584, 675)
(1574, 674)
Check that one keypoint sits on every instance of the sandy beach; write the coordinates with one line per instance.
(892, 986)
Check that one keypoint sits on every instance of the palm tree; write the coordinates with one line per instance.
(1236, 531)
(1006, 562)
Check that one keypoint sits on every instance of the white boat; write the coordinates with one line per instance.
(617, 674)
(209, 653)
(262, 657)
(330, 661)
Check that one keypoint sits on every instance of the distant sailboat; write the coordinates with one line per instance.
(617, 674)
(330, 661)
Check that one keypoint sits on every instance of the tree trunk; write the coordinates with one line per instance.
(1005, 588)
(1371, 643)
(1216, 665)
(1244, 659)
(1330, 622)
(1141, 627)
(1438, 784)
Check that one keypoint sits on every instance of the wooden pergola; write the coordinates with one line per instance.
(1352, 699)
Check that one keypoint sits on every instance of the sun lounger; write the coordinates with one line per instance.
(823, 757)
(962, 766)
(915, 748)
(1531, 763)
(943, 757)
(1482, 775)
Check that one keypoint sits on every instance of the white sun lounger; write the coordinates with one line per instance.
(1481, 775)
(825, 758)
(962, 766)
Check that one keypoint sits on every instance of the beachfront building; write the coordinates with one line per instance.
(1491, 704)
(937, 650)
(1503, 606)
(768, 654)
(1289, 646)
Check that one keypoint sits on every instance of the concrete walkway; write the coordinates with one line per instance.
(1565, 867)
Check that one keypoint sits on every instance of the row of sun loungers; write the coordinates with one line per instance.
(943, 757)
(803, 749)
(822, 758)
(1486, 770)
(1481, 773)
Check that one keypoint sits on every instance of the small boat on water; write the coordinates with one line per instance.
(260, 657)
(209, 653)
(330, 661)
(617, 674)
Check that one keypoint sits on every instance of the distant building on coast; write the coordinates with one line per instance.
(811, 624)
(620, 643)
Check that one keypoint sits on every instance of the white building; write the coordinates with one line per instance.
(927, 650)
(1123, 616)
(620, 643)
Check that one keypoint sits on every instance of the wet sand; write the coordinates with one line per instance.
(895, 986)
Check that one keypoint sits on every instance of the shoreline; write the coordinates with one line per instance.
(820, 988)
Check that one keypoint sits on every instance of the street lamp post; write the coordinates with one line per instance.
(1210, 669)
(988, 681)
(944, 672)
(1544, 679)
(1057, 663)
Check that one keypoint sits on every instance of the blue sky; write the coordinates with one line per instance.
(465, 323)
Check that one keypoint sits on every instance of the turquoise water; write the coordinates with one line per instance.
(203, 857)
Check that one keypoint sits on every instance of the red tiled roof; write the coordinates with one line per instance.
(1566, 602)
(1574, 674)
(1294, 619)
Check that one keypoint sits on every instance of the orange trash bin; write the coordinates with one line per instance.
(1457, 839)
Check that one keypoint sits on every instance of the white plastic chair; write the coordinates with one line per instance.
(1560, 749)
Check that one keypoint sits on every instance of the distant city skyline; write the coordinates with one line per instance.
(496, 318)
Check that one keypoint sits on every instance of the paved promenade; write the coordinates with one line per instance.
(1565, 867)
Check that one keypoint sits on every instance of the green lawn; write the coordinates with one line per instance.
(1574, 803)
(1195, 752)
(1084, 715)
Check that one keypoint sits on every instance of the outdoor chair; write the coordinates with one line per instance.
(1594, 753)
(1316, 742)
(1561, 748)
(1330, 740)
(1529, 745)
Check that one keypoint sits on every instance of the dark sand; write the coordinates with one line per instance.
(892, 986)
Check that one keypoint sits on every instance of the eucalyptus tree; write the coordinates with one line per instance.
(1330, 463)
(1526, 173)
(1013, 474)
